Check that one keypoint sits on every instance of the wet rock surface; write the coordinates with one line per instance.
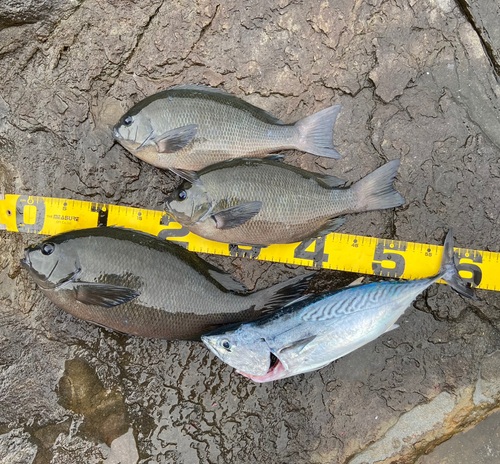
(417, 82)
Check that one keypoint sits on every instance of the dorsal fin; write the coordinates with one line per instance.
(329, 181)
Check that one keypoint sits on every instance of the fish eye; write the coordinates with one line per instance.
(226, 344)
(128, 120)
(182, 195)
(47, 249)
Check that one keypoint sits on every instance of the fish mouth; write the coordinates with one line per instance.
(116, 134)
(25, 262)
(210, 344)
(43, 281)
(39, 278)
(167, 207)
(276, 371)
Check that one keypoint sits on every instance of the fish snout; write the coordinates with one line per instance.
(25, 262)
(116, 133)
(210, 343)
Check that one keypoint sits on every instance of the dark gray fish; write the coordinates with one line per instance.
(138, 284)
(312, 332)
(192, 126)
(262, 202)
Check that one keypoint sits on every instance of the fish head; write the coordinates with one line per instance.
(134, 130)
(240, 349)
(189, 203)
(51, 263)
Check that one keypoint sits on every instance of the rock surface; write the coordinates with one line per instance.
(479, 445)
(417, 81)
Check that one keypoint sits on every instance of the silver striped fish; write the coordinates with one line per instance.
(313, 331)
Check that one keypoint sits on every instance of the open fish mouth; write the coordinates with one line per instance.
(276, 371)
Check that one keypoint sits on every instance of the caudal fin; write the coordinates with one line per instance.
(316, 132)
(375, 191)
(277, 296)
(449, 273)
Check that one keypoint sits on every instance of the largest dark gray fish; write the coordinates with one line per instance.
(141, 285)
(192, 126)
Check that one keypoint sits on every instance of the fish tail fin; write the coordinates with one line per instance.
(277, 296)
(316, 133)
(449, 272)
(375, 191)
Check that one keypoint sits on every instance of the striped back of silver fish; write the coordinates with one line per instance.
(357, 299)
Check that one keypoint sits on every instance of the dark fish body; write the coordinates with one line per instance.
(263, 202)
(191, 126)
(314, 331)
(138, 284)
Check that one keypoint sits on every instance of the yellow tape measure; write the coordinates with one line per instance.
(353, 253)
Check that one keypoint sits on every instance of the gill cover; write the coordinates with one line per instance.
(189, 203)
(133, 131)
(51, 264)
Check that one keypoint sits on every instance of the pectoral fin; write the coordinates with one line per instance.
(236, 215)
(175, 139)
(300, 346)
(103, 294)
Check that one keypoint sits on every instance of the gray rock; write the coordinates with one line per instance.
(16, 12)
(483, 18)
(417, 82)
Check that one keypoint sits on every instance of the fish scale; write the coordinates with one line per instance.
(218, 140)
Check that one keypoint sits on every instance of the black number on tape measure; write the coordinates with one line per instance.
(318, 256)
(174, 233)
(102, 217)
(384, 253)
(475, 270)
(24, 202)
(238, 252)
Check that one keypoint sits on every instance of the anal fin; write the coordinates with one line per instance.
(328, 227)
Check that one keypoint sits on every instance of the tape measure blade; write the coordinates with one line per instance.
(353, 253)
